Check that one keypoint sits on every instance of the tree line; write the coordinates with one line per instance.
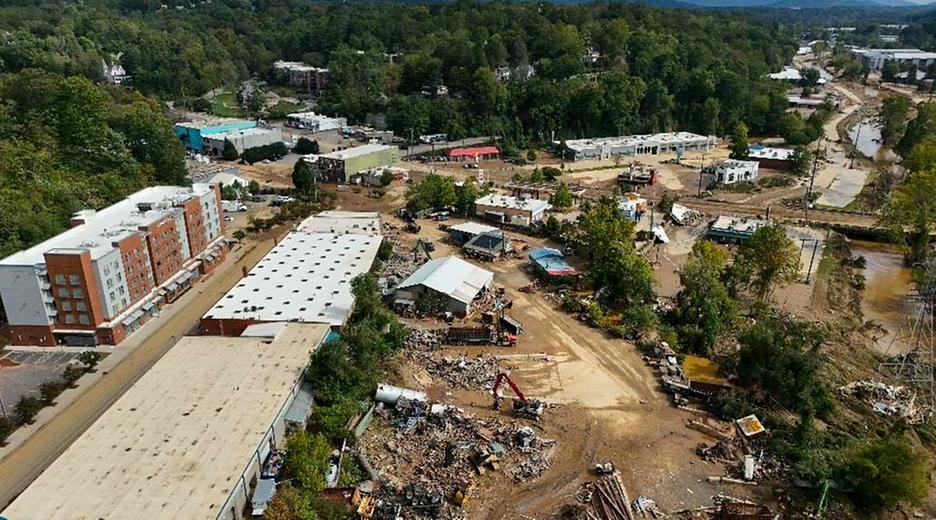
(657, 71)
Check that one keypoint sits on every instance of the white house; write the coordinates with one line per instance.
(733, 170)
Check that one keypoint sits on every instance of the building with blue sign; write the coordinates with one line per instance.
(192, 133)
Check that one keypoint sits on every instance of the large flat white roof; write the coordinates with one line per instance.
(357, 151)
(508, 201)
(632, 140)
(176, 443)
(305, 278)
(111, 224)
(343, 222)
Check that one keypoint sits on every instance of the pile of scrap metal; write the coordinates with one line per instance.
(890, 400)
(428, 457)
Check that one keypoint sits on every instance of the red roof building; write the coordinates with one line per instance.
(477, 153)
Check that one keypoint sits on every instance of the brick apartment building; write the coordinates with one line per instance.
(103, 278)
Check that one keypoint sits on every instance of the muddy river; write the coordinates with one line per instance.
(887, 288)
(867, 137)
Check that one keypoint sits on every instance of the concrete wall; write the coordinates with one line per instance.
(241, 141)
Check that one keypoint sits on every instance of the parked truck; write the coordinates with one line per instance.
(479, 336)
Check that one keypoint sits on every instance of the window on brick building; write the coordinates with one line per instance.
(64, 293)
(78, 292)
(70, 319)
(60, 279)
(66, 306)
(74, 279)
(81, 306)
(83, 319)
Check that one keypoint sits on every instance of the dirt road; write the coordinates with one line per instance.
(22, 465)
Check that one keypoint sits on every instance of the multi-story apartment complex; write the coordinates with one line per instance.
(98, 281)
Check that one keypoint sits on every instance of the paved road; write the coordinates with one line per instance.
(22, 465)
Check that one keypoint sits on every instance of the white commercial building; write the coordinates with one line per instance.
(189, 439)
(343, 222)
(794, 75)
(519, 211)
(650, 144)
(458, 281)
(242, 139)
(306, 278)
(733, 170)
(315, 122)
(876, 58)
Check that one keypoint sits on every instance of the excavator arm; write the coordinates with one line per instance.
(501, 378)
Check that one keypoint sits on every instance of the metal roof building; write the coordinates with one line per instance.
(305, 278)
(343, 222)
(452, 277)
(187, 440)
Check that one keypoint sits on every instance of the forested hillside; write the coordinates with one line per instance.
(659, 69)
(66, 144)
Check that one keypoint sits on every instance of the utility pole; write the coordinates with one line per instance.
(855, 146)
(3, 409)
(812, 179)
(812, 258)
(701, 169)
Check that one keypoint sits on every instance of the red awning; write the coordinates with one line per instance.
(473, 152)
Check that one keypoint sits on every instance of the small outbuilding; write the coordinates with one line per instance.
(734, 170)
(551, 262)
(452, 278)
(464, 232)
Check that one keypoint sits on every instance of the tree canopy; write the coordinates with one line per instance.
(69, 145)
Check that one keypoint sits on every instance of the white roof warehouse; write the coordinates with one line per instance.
(306, 278)
(187, 440)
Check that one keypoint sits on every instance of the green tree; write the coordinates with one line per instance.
(465, 197)
(229, 152)
(704, 310)
(810, 77)
(921, 128)
(532, 155)
(740, 148)
(27, 408)
(253, 187)
(550, 174)
(537, 176)
(802, 160)
(303, 177)
(307, 461)
(913, 205)
(562, 198)
(431, 192)
(879, 474)
(769, 258)
(890, 70)
(89, 359)
(305, 146)
(781, 359)
(895, 111)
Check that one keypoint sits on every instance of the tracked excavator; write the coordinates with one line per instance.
(522, 407)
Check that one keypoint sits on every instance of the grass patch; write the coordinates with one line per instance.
(776, 181)
(740, 187)
(225, 105)
(282, 108)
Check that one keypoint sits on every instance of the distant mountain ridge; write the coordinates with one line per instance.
(787, 4)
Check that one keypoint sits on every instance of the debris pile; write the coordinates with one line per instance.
(607, 499)
(470, 373)
(429, 457)
(886, 399)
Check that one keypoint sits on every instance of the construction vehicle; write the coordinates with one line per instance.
(523, 407)
(604, 468)
(412, 227)
(479, 336)
(425, 246)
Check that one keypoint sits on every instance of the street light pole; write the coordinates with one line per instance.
(812, 179)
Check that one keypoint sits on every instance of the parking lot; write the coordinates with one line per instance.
(40, 358)
(21, 373)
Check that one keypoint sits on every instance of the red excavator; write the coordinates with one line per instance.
(531, 409)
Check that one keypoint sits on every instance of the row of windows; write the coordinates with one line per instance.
(76, 292)
(73, 279)
(82, 319)
(79, 305)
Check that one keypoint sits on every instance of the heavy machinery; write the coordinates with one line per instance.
(478, 336)
(425, 246)
(523, 407)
